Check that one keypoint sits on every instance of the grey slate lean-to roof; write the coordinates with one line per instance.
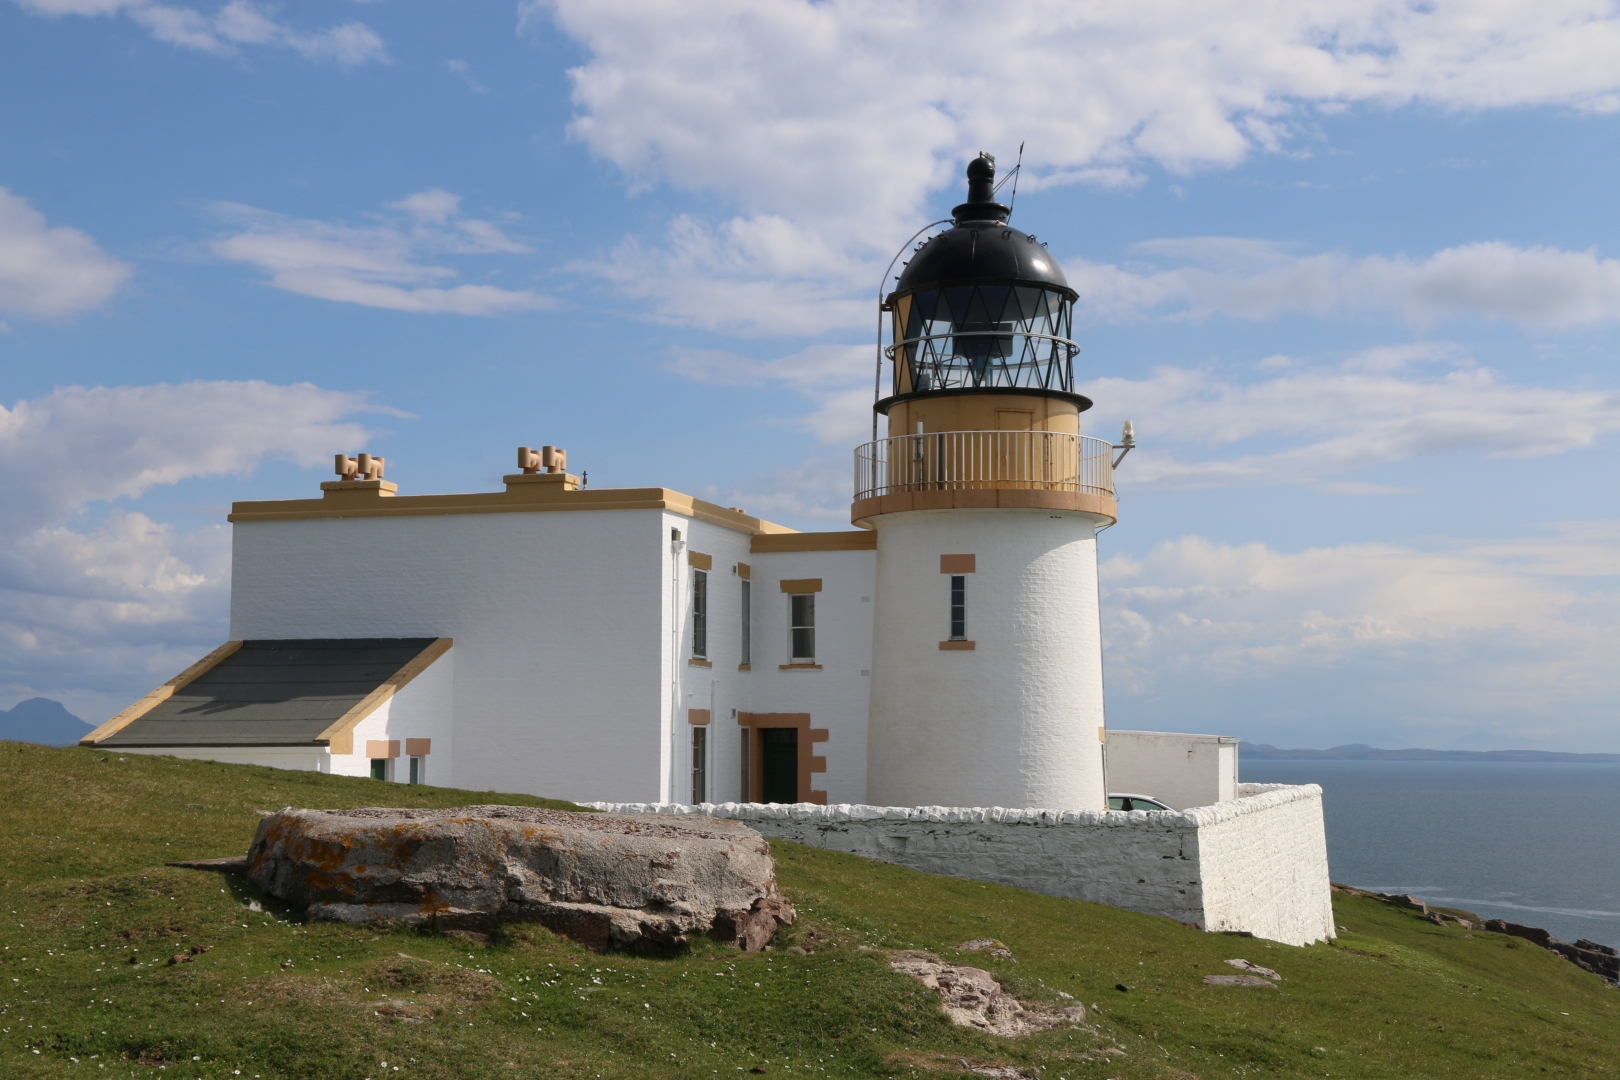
(272, 693)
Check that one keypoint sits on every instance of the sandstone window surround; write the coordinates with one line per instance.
(700, 614)
(958, 567)
(801, 594)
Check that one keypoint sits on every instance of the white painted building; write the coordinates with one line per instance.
(639, 646)
(642, 645)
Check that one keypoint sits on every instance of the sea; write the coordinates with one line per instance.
(1534, 843)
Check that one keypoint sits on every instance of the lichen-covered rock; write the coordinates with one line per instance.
(987, 945)
(971, 997)
(605, 880)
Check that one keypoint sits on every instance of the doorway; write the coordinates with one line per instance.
(780, 750)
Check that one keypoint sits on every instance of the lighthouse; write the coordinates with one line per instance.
(986, 497)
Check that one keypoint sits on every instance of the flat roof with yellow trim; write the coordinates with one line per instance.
(523, 494)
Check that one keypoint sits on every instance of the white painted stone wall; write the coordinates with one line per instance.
(835, 696)
(1255, 864)
(1016, 720)
(1179, 770)
(1267, 873)
(296, 758)
(719, 687)
(423, 709)
(572, 675)
(561, 677)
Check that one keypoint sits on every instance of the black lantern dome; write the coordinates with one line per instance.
(982, 307)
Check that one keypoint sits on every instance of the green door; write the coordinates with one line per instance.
(781, 778)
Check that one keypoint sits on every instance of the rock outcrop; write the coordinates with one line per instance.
(605, 880)
(1250, 981)
(1253, 969)
(971, 997)
(1598, 959)
(1533, 934)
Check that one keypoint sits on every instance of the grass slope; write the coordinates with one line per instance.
(83, 891)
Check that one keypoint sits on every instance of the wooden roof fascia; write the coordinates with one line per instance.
(339, 737)
(161, 694)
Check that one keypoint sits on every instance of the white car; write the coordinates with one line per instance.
(1126, 800)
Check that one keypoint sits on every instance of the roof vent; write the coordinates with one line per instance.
(552, 459)
(360, 467)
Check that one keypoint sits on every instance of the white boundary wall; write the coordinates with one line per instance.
(1257, 864)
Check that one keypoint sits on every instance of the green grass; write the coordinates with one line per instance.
(83, 889)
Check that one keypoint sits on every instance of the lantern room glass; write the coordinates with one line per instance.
(987, 335)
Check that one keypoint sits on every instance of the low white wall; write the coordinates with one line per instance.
(1179, 770)
(1267, 873)
(297, 758)
(1255, 864)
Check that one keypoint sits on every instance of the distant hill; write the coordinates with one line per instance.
(41, 720)
(1363, 752)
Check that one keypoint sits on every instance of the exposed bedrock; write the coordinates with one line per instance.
(605, 880)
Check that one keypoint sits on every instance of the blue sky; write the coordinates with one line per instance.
(1350, 268)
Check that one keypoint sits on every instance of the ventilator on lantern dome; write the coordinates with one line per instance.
(981, 307)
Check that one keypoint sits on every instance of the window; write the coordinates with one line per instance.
(958, 607)
(748, 622)
(380, 768)
(802, 627)
(700, 613)
(700, 764)
(418, 770)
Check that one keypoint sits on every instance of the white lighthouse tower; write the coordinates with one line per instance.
(986, 649)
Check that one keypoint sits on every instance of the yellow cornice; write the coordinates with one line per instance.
(987, 498)
(843, 540)
(517, 499)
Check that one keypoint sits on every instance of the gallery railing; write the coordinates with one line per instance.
(969, 460)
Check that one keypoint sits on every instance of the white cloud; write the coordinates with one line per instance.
(813, 494)
(378, 265)
(1312, 424)
(109, 607)
(79, 445)
(835, 121)
(836, 378)
(1299, 423)
(762, 276)
(239, 22)
(1454, 642)
(50, 273)
(463, 69)
(1253, 279)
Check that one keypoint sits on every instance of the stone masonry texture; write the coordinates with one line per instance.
(606, 880)
(1256, 864)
